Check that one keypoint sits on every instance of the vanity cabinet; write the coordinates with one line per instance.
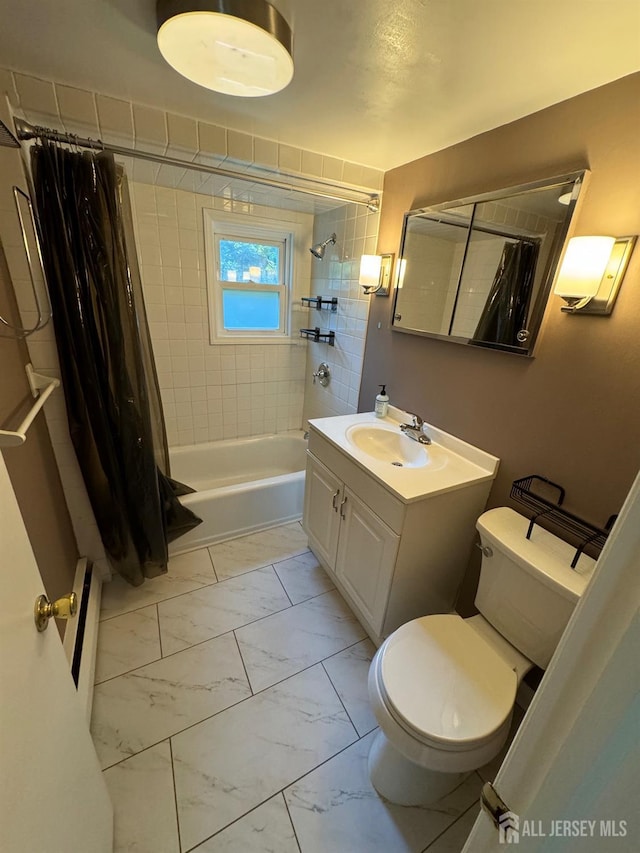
(352, 542)
(392, 560)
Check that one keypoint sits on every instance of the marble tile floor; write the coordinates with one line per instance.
(231, 713)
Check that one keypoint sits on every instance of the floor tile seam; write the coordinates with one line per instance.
(293, 557)
(181, 731)
(351, 646)
(262, 566)
(280, 791)
(135, 754)
(244, 666)
(275, 571)
(229, 631)
(173, 654)
(293, 827)
(451, 825)
(235, 705)
(175, 795)
(158, 601)
(291, 608)
(213, 565)
(159, 632)
(304, 669)
(238, 819)
(335, 690)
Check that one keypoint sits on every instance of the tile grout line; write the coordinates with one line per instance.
(159, 635)
(335, 690)
(275, 794)
(239, 702)
(159, 601)
(237, 820)
(224, 633)
(293, 826)
(275, 571)
(213, 565)
(243, 664)
(205, 585)
(175, 793)
(451, 825)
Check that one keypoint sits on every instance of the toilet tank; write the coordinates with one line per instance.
(527, 588)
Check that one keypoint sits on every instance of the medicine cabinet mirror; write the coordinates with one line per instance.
(479, 270)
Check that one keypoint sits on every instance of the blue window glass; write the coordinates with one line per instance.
(242, 260)
(249, 310)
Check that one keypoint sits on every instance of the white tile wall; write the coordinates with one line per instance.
(124, 123)
(211, 392)
(253, 389)
(337, 275)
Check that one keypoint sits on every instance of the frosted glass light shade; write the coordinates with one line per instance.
(237, 47)
(583, 267)
(370, 266)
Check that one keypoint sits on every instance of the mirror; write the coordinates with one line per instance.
(479, 270)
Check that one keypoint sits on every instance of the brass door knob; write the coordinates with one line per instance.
(63, 608)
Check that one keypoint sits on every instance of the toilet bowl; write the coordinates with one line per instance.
(442, 688)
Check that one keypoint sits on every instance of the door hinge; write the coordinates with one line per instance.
(493, 804)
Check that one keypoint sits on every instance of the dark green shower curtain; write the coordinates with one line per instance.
(111, 389)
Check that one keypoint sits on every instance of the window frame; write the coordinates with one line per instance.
(218, 225)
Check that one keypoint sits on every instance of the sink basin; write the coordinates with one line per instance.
(388, 444)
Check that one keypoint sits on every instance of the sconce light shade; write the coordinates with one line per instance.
(375, 273)
(583, 266)
(237, 47)
(591, 273)
(370, 266)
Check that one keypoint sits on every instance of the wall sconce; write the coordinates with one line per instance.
(591, 273)
(375, 274)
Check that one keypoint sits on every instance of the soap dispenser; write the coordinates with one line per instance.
(382, 403)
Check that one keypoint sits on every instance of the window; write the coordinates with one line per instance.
(249, 273)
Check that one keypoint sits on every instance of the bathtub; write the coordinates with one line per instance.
(242, 485)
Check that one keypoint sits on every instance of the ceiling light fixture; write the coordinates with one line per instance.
(237, 47)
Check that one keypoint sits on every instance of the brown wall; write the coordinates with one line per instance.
(572, 413)
(32, 467)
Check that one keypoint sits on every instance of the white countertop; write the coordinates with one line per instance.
(451, 462)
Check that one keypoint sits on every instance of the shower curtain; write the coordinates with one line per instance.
(111, 388)
(505, 311)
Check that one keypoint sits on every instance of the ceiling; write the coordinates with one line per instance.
(379, 82)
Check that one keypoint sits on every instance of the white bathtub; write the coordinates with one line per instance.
(242, 485)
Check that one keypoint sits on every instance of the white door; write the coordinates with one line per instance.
(320, 519)
(53, 798)
(570, 779)
(366, 558)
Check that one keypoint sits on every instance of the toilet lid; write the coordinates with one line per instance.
(446, 682)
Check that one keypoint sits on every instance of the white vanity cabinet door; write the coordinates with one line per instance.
(321, 519)
(366, 558)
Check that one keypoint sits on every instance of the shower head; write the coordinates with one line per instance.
(318, 250)
(7, 139)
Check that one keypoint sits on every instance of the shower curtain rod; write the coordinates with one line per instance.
(26, 131)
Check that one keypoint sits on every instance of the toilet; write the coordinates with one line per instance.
(443, 688)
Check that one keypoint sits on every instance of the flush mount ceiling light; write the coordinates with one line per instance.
(237, 47)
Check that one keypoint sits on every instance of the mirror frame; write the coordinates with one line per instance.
(537, 310)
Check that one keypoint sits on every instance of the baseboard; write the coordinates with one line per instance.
(81, 636)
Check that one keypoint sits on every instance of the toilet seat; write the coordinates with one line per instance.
(444, 684)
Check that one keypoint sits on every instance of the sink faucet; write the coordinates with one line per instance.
(415, 430)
